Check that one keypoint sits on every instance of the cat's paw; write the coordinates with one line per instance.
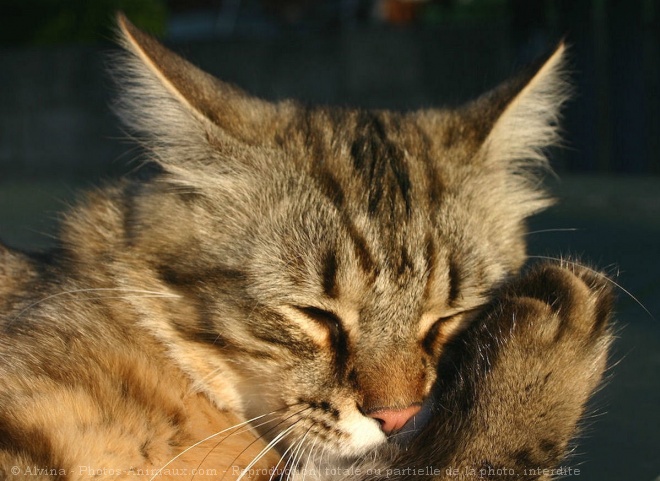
(560, 304)
(512, 389)
(547, 339)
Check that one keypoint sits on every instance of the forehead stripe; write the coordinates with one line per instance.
(381, 162)
(329, 275)
(365, 258)
(454, 282)
(329, 186)
(430, 265)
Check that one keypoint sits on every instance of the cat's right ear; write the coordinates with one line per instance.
(506, 132)
(182, 113)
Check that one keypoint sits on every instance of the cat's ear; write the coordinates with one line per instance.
(505, 133)
(522, 115)
(524, 122)
(513, 123)
(174, 104)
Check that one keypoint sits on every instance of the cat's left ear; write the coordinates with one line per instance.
(505, 133)
(182, 112)
(511, 125)
(523, 114)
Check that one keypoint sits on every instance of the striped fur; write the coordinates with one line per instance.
(305, 261)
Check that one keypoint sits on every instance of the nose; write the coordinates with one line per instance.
(392, 419)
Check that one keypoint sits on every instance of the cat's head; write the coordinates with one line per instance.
(329, 254)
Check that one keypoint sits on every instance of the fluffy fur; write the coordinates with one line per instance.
(320, 271)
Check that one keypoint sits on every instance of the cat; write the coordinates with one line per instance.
(342, 290)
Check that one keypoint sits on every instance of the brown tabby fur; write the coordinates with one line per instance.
(308, 268)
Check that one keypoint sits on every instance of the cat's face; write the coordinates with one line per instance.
(357, 276)
(332, 253)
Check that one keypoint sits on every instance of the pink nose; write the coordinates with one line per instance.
(392, 419)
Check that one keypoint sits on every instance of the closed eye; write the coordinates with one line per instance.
(445, 327)
(338, 336)
(324, 318)
(434, 335)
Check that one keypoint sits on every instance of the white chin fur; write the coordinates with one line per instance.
(336, 463)
(364, 435)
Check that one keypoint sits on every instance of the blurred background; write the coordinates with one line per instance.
(58, 134)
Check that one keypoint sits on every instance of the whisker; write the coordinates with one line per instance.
(296, 466)
(293, 445)
(214, 372)
(265, 434)
(100, 289)
(403, 433)
(324, 451)
(543, 231)
(292, 459)
(240, 430)
(298, 454)
(311, 451)
(603, 276)
(265, 450)
(203, 441)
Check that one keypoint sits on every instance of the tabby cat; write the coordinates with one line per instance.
(305, 277)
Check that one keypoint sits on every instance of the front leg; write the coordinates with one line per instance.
(513, 387)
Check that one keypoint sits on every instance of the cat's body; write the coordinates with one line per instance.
(86, 392)
(304, 268)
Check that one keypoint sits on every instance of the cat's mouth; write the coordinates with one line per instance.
(321, 428)
(415, 424)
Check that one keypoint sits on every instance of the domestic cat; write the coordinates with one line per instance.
(324, 273)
